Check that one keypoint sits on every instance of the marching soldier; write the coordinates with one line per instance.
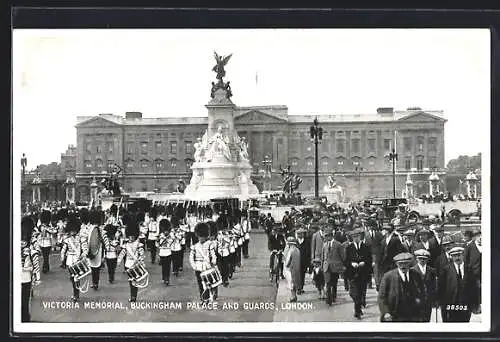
(45, 238)
(358, 261)
(223, 245)
(133, 251)
(212, 236)
(111, 253)
(246, 225)
(177, 246)
(238, 233)
(97, 245)
(429, 278)
(454, 284)
(30, 272)
(202, 257)
(164, 244)
(401, 293)
(153, 232)
(143, 228)
(73, 251)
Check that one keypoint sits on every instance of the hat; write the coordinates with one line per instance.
(446, 240)
(73, 224)
(395, 222)
(202, 229)
(132, 226)
(456, 250)
(424, 231)
(422, 253)
(403, 257)
(110, 230)
(291, 240)
(45, 216)
(301, 231)
(27, 226)
(357, 231)
(409, 232)
(476, 231)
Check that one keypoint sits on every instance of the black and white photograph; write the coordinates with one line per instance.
(251, 180)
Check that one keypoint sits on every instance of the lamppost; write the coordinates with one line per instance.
(358, 169)
(393, 157)
(267, 163)
(316, 137)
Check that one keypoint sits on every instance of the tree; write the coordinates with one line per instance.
(464, 164)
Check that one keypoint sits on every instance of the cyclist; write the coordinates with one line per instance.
(276, 243)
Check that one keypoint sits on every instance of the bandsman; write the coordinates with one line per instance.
(133, 251)
(98, 243)
(165, 243)
(223, 246)
(111, 253)
(177, 246)
(153, 232)
(246, 226)
(45, 238)
(30, 272)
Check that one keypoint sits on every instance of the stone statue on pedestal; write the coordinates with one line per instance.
(218, 144)
(198, 150)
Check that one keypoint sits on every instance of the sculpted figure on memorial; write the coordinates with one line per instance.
(243, 149)
(198, 153)
(218, 143)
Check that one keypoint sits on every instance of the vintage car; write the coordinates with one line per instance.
(388, 205)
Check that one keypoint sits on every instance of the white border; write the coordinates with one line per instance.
(201, 327)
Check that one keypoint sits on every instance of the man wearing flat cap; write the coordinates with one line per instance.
(333, 265)
(472, 260)
(304, 246)
(444, 258)
(453, 289)
(401, 293)
(358, 262)
(429, 279)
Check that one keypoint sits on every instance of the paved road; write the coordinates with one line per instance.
(250, 284)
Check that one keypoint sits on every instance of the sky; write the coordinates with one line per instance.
(61, 74)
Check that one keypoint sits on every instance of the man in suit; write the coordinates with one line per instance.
(332, 262)
(373, 239)
(317, 241)
(435, 243)
(429, 277)
(390, 247)
(472, 260)
(401, 293)
(409, 240)
(444, 258)
(305, 257)
(358, 262)
(422, 240)
(276, 242)
(453, 289)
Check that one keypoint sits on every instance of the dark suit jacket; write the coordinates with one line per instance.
(358, 255)
(435, 249)
(430, 284)
(317, 246)
(389, 251)
(448, 290)
(441, 262)
(305, 254)
(390, 294)
(375, 244)
(472, 260)
(276, 242)
(333, 257)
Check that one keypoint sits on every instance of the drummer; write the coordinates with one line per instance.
(72, 251)
(133, 250)
(202, 257)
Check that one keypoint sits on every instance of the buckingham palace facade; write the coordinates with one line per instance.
(156, 153)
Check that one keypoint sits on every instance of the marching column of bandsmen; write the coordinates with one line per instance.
(89, 239)
(415, 267)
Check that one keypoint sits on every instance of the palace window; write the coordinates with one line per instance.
(98, 163)
(189, 163)
(88, 148)
(371, 145)
(432, 162)
(173, 164)
(129, 164)
(98, 148)
(420, 163)
(111, 163)
(432, 144)
(88, 164)
(144, 164)
(355, 146)
(324, 164)
(158, 147)
(189, 147)
(340, 146)
(387, 144)
(407, 164)
(173, 147)
(407, 144)
(309, 163)
(144, 147)
(295, 162)
(159, 164)
(110, 148)
(130, 147)
(420, 144)
(340, 162)
(371, 161)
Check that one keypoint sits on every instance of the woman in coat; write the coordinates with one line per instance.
(292, 267)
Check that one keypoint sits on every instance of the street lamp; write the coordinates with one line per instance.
(393, 157)
(267, 163)
(316, 137)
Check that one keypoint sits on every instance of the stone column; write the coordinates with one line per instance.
(93, 191)
(469, 188)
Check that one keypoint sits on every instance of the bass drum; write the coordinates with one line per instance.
(94, 243)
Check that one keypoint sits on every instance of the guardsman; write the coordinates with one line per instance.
(238, 233)
(223, 245)
(401, 293)
(177, 246)
(202, 257)
(111, 252)
(358, 262)
(246, 226)
(97, 245)
(73, 250)
(212, 236)
(143, 228)
(164, 244)
(453, 289)
(429, 277)
(30, 272)
(45, 238)
(153, 232)
(133, 250)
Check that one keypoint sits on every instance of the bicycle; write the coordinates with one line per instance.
(277, 266)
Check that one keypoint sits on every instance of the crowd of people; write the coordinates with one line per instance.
(215, 238)
(415, 267)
